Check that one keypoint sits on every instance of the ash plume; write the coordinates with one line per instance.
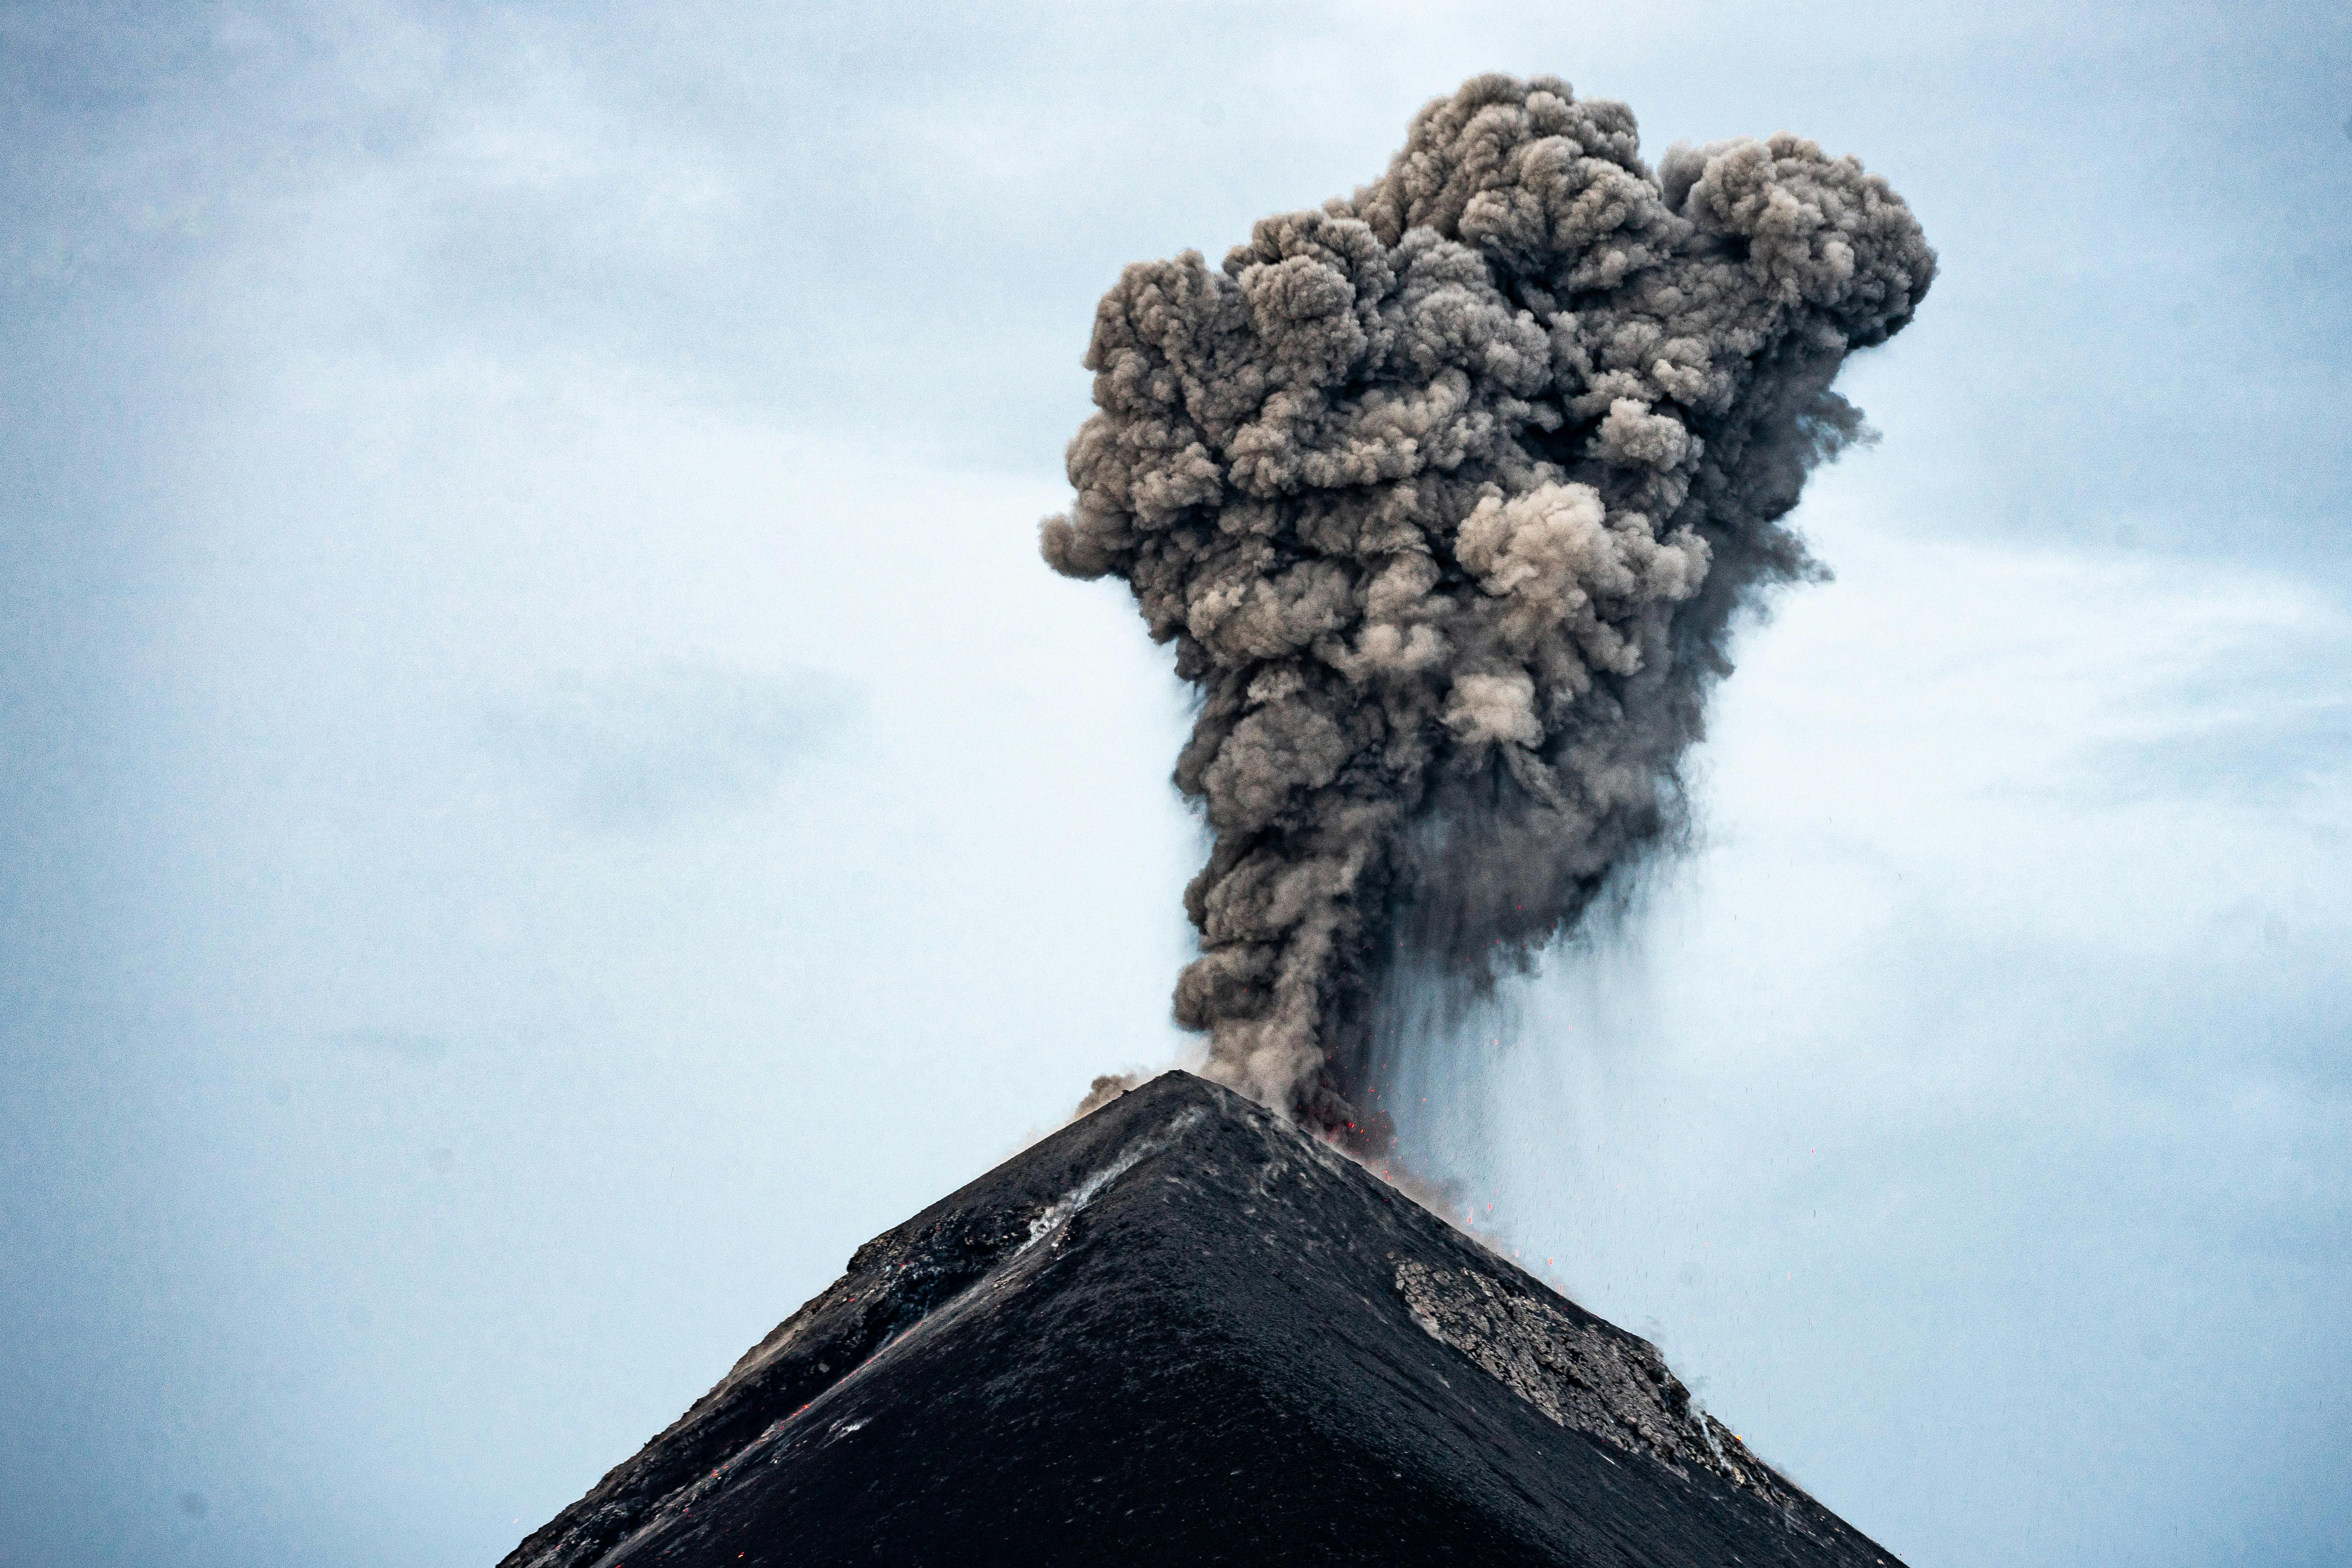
(1446, 494)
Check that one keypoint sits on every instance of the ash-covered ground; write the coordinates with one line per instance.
(1181, 1331)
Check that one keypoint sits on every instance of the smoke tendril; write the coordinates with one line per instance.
(1446, 495)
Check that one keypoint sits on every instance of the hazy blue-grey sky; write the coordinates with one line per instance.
(547, 795)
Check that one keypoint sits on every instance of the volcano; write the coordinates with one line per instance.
(1179, 1331)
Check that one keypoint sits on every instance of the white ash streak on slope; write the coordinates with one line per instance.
(1446, 494)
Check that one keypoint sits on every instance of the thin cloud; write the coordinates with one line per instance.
(407, 1045)
(640, 749)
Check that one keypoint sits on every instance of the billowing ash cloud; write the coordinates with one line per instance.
(1446, 494)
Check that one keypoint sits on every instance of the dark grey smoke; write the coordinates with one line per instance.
(1446, 495)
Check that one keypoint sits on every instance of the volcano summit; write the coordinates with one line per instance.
(1181, 1331)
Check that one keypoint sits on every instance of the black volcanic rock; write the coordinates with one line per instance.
(1181, 1332)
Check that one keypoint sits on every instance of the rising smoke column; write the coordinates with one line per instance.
(1446, 495)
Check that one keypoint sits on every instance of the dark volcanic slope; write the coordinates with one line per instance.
(1181, 1332)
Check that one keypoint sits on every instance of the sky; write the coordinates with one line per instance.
(548, 795)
